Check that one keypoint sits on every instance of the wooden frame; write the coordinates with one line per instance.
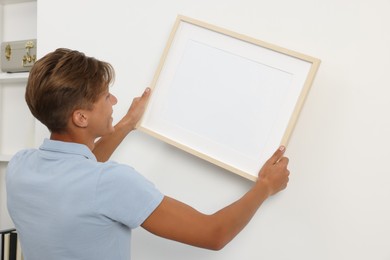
(225, 97)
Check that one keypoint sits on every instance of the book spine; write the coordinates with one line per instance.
(13, 240)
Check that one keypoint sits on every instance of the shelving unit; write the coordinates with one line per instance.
(18, 21)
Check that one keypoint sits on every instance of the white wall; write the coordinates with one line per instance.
(337, 203)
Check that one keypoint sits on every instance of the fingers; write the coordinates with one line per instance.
(137, 108)
(146, 93)
(278, 155)
(274, 174)
(143, 98)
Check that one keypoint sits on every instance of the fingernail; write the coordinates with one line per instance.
(282, 148)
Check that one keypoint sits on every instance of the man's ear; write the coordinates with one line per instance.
(80, 118)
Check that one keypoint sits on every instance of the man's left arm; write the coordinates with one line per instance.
(107, 144)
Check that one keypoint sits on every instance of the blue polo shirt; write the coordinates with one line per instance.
(66, 205)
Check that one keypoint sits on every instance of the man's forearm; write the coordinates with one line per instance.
(233, 218)
(107, 144)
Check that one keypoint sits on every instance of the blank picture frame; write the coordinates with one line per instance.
(227, 98)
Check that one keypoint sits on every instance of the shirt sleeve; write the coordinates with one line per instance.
(124, 195)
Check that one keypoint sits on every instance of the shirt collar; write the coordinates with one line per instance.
(67, 147)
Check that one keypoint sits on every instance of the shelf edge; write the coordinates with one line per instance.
(13, 77)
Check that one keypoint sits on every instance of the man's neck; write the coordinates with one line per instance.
(66, 137)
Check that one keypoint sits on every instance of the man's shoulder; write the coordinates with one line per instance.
(22, 154)
(116, 170)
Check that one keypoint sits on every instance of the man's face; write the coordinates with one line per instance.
(100, 119)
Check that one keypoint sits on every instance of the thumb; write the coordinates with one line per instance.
(146, 93)
(143, 98)
(278, 154)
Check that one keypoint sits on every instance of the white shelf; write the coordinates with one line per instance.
(4, 2)
(5, 157)
(13, 77)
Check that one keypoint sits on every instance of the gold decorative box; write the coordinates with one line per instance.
(18, 56)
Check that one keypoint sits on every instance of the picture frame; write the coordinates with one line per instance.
(227, 98)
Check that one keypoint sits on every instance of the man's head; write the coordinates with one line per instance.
(63, 81)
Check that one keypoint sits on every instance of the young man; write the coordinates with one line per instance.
(68, 202)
